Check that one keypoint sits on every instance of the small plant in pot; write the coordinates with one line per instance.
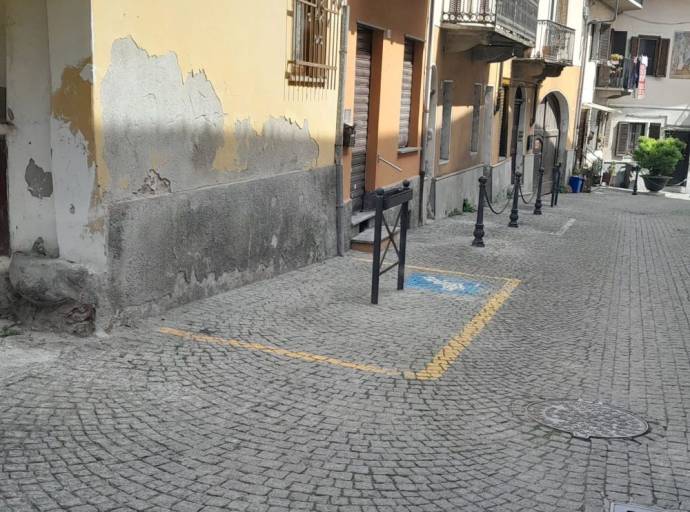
(659, 157)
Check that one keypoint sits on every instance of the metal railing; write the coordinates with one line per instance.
(615, 76)
(555, 43)
(516, 19)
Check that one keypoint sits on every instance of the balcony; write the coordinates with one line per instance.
(555, 43)
(501, 23)
(614, 78)
(625, 5)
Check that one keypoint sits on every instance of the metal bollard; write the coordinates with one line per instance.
(514, 212)
(479, 226)
(556, 185)
(637, 175)
(538, 203)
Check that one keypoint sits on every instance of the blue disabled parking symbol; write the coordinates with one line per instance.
(446, 284)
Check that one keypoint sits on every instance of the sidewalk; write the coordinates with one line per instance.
(297, 394)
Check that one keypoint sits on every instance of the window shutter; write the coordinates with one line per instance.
(622, 138)
(655, 130)
(634, 46)
(406, 94)
(562, 12)
(662, 57)
(447, 91)
(605, 130)
(604, 47)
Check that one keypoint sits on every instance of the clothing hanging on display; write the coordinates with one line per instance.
(642, 79)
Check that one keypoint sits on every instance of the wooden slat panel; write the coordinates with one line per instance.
(406, 94)
(361, 116)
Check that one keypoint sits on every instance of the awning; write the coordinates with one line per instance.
(603, 108)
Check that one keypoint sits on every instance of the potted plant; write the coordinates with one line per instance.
(659, 157)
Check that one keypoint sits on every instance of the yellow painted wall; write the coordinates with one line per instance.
(567, 84)
(243, 49)
(403, 18)
(464, 72)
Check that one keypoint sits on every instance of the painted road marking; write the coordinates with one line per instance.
(564, 228)
(444, 284)
(434, 369)
(450, 353)
(258, 347)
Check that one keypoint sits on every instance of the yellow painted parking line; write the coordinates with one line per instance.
(449, 354)
(434, 369)
(258, 347)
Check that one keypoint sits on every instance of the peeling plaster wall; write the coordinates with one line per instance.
(78, 212)
(213, 171)
(29, 171)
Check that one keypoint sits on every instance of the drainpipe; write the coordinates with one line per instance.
(427, 107)
(339, 193)
(583, 63)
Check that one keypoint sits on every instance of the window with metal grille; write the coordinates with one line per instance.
(406, 94)
(447, 92)
(628, 136)
(314, 42)
(476, 113)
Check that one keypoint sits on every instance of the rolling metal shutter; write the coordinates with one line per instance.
(406, 95)
(361, 116)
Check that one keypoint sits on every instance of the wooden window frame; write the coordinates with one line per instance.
(415, 92)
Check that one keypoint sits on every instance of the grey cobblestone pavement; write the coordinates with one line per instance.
(149, 421)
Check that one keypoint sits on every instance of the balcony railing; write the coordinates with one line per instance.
(615, 76)
(555, 43)
(515, 19)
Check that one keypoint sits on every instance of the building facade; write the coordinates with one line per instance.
(158, 152)
(505, 93)
(383, 106)
(620, 102)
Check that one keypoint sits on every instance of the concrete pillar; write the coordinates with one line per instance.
(29, 172)
(78, 212)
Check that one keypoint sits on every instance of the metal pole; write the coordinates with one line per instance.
(516, 191)
(637, 175)
(342, 73)
(479, 226)
(404, 224)
(557, 191)
(538, 203)
(376, 270)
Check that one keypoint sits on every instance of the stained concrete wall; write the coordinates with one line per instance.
(212, 169)
(178, 247)
(29, 171)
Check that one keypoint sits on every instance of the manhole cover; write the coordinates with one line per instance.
(587, 419)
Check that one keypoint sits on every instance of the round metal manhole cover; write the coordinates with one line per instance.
(587, 419)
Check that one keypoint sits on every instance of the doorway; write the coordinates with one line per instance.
(518, 113)
(681, 172)
(547, 131)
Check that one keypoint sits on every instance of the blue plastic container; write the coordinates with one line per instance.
(576, 183)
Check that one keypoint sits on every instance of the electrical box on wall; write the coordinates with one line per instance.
(348, 135)
(348, 129)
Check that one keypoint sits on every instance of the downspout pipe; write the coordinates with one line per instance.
(423, 171)
(583, 62)
(338, 155)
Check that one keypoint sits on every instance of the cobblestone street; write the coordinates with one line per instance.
(296, 394)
